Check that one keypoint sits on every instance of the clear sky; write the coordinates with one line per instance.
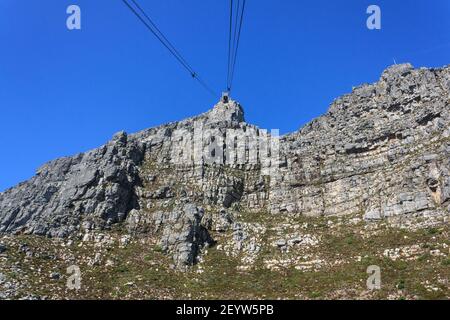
(64, 92)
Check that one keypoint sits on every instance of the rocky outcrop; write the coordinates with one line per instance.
(375, 152)
(381, 152)
(69, 195)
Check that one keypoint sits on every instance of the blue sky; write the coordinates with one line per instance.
(64, 92)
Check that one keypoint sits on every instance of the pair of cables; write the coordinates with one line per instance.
(236, 19)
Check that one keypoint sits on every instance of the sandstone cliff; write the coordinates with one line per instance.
(379, 153)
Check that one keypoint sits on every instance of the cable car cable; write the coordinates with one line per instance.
(160, 36)
(236, 42)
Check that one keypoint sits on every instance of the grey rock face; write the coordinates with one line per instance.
(380, 152)
(373, 152)
(90, 190)
(183, 233)
(226, 112)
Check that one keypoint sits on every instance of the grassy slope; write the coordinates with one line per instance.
(140, 271)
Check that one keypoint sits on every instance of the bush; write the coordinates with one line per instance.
(446, 262)
(401, 284)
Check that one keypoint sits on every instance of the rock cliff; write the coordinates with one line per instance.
(379, 153)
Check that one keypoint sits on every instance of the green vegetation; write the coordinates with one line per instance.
(141, 270)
